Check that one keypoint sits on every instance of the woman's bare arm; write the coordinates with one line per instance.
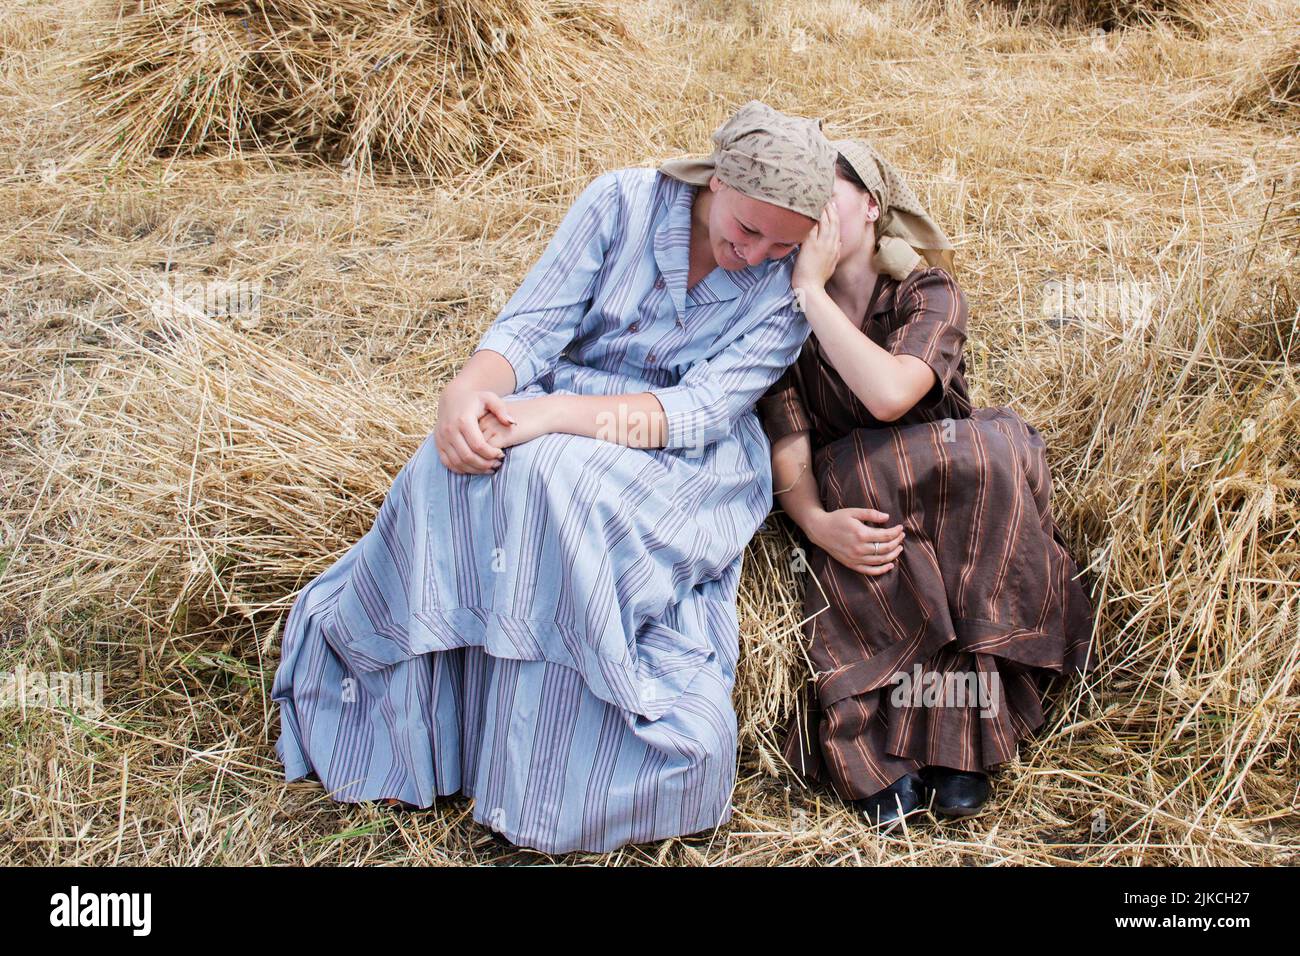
(635, 419)
(487, 371)
(888, 385)
(793, 482)
(849, 535)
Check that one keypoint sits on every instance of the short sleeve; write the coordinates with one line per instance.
(705, 405)
(543, 315)
(782, 409)
(932, 311)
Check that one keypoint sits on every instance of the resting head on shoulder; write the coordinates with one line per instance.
(760, 192)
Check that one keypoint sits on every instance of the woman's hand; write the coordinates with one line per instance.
(459, 432)
(849, 537)
(533, 418)
(819, 253)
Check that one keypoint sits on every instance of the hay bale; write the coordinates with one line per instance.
(25, 27)
(437, 89)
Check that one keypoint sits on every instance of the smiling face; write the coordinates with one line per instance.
(744, 231)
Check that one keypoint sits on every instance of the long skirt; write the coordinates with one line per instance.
(557, 640)
(945, 659)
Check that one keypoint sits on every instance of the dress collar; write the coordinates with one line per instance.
(672, 251)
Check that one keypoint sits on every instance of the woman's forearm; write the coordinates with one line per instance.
(888, 385)
(793, 482)
(636, 420)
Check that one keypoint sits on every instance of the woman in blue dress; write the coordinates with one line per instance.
(543, 615)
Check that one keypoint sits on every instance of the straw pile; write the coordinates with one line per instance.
(434, 88)
(1271, 88)
(175, 469)
(223, 473)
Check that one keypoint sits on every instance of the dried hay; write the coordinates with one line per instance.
(430, 88)
(1104, 15)
(1271, 87)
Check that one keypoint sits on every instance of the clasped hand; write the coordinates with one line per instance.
(474, 428)
(848, 536)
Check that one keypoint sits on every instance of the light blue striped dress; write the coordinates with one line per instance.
(558, 640)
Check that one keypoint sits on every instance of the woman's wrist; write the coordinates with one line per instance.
(813, 296)
(550, 409)
(464, 383)
(814, 292)
(486, 371)
(807, 286)
(810, 521)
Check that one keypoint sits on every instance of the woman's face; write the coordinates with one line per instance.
(744, 231)
(855, 207)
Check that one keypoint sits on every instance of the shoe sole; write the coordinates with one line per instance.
(951, 812)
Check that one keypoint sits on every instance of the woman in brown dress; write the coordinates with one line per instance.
(941, 599)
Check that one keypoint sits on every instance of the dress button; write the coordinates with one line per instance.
(681, 324)
(633, 327)
(650, 357)
(659, 283)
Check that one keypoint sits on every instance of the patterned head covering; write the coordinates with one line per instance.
(904, 227)
(767, 155)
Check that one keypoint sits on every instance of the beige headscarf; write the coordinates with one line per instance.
(767, 155)
(904, 228)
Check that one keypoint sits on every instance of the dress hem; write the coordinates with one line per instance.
(1033, 649)
(296, 769)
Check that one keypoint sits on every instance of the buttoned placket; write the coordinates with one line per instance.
(659, 284)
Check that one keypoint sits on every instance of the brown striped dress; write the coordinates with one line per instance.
(984, 589)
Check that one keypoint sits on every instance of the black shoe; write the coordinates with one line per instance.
(957, 793)
(901, 798)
